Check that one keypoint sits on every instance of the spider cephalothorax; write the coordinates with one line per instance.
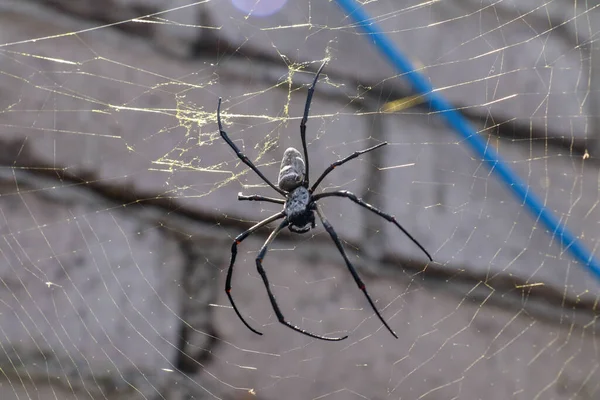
(298, 213)
(299, 210)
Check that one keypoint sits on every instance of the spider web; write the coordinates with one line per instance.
(118, 201)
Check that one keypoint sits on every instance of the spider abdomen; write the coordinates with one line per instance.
(298, 211)
(292, 170)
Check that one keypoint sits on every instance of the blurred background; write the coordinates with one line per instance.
(118, 200)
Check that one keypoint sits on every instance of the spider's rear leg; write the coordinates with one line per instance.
(263, 274)
(359, 282)
(309, 96)
(342, 162)
(241, 155)
(234, 245)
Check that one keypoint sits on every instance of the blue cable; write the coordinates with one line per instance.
(478, 145)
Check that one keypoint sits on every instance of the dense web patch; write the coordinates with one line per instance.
(118, 202)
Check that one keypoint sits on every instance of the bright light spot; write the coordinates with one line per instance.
(259, 8)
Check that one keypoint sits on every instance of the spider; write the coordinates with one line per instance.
(298, 216)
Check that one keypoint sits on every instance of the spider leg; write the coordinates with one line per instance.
(359, 282)
(241, 155)
(343, 161)
(309, 96)
(263, 274)
(257, 197)
(390, 218)
(237, 241)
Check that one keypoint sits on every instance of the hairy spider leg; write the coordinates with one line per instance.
(237, 241)
(241, 155)
(309, 96)
(390, 218)
(359, 282)
(263, 274)
(258, 197)
(343, 161)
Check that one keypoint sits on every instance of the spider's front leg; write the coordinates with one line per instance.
(263, 274)
(360, 202)
(359, 282)
(234, 245)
